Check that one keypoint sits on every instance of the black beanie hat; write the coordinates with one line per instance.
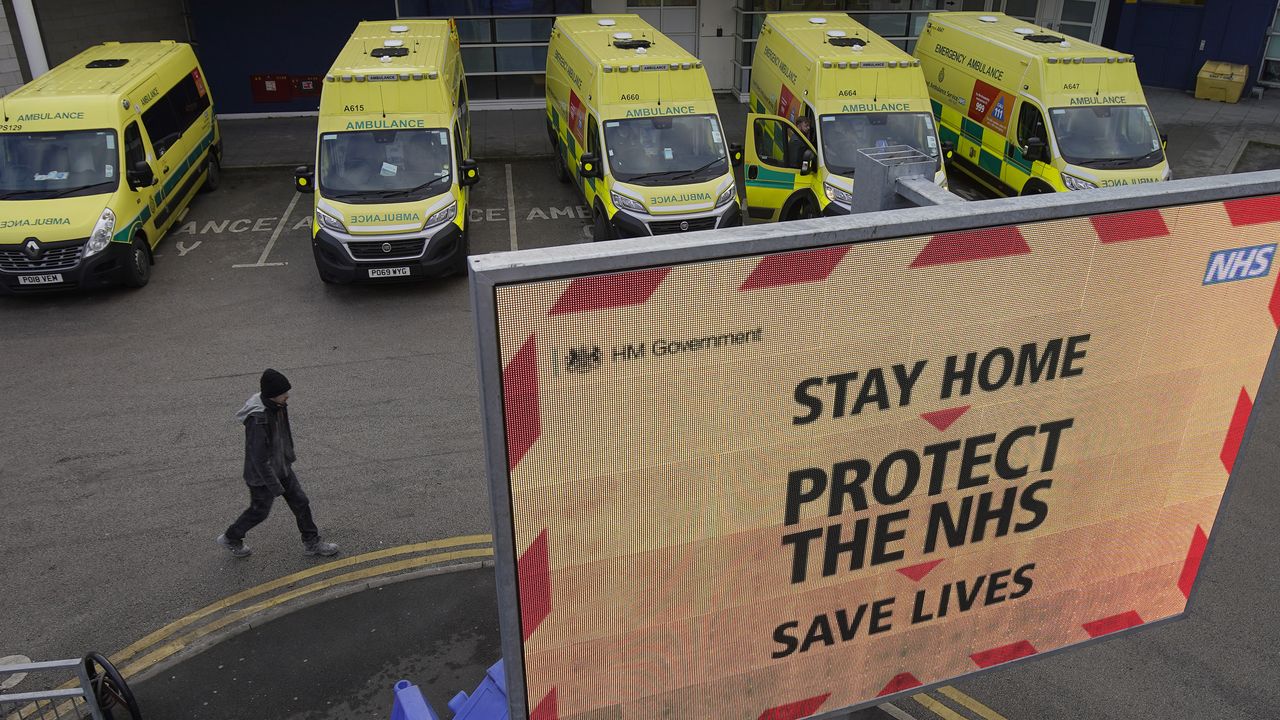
(273, 384)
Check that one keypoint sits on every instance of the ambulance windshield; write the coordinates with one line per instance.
(370, 166)
(666, 150)
(1107, 137)
(42, 165)
(842, 136)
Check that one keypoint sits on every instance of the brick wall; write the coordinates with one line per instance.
(69, 26)
(10, 72)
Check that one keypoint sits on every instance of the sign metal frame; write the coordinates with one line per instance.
(491, 271)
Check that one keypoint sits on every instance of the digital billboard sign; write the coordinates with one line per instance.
(778, 484)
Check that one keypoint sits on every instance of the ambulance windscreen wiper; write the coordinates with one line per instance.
(412, 190)
(105, 185)
(701, 168)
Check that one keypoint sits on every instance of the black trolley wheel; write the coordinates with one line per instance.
(109, 688)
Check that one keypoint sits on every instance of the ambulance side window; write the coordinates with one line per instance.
(462, 105)
(777, 144)
(134, 152)
(1031, 124)
(593, 136)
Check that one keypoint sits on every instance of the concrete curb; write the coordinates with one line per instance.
(275, 613)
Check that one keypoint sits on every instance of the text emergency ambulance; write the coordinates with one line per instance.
(852, 89)
(635, 127)
(393, 156)
(1033, 111)
(98, 158)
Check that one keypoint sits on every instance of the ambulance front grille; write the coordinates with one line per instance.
(664, 227)
(52, 258)
(386, 250)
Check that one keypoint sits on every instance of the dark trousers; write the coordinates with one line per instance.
(260, 501)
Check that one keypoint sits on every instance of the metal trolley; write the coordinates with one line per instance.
(97, 691)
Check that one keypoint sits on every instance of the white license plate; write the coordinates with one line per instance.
(41, 279)
(388, 272)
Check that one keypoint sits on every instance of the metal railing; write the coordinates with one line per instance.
(94, 691)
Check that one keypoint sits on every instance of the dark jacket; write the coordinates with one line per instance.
(268, 444)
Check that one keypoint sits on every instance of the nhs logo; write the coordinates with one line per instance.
(1239, 264)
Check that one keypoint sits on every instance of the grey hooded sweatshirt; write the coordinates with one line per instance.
(268, 444)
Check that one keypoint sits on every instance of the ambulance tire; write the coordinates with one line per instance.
(803, 207)
(600, 229)
(138, 272)
(213, 174)
(464, 250)
(562, 172)
(1034, 187)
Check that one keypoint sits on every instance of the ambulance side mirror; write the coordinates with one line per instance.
(589, 166)
(141, 175)
(735, 154)
(468, 173)
(1035, 149)
(1164, 140)
(304, 179)
(807, 162)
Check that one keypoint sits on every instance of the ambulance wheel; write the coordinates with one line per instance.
(600, 229)
(803, 209)
(1036, 188)
(213, 176)
(562, 172)
(138, 270)
(464, 249)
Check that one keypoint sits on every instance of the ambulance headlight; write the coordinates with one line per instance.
(330, 222)
(102, 232)
(441, 217)
(730, 193)
(1074, 183)
(835, 194)
(627, 203)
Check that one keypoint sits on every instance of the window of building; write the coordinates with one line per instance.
(504, 42)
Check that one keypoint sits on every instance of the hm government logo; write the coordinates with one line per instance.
(32, 248)
(583, 358)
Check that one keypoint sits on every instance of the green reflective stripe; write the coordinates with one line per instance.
(949, 135)
(125, 233)
(1013, 154)
(990, 162)
(767, 178)
(971, 129)
(190, 161)
(937, 109)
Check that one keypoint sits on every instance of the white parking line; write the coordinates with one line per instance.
(275, 235)
(896, 711)
(511, 210)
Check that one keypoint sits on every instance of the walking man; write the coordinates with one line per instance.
(268, 469)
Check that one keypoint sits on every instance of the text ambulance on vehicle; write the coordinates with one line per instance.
(854, 90)
(1033, 111)
(393, 160)
(635, 127)
(98, 158)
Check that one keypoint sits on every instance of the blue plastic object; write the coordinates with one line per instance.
(487, 702)
(410, 705)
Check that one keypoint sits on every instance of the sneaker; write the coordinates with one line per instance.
(320, 547)
(237, 548)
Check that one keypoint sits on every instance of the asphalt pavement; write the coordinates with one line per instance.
(121, 463)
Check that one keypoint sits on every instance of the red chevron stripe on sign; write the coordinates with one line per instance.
(534, 570)
(1125, 227)
(970, 245)
(794, 268)
(1003, 654)
(796, 710)
(599, 292)
(520, 402)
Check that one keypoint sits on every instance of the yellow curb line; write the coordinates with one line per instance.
(973, 705)
(173, 627)
(182, 642)
(936, 707)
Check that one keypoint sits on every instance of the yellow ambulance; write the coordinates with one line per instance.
(1033, 111)
(634, 124)
(98, 158)
(823, 88)
(393, 163)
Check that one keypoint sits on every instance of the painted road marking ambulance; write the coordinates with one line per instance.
(824, 87)
(98, 157)
(1033, 111)
(393, 162)
(635, 127)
